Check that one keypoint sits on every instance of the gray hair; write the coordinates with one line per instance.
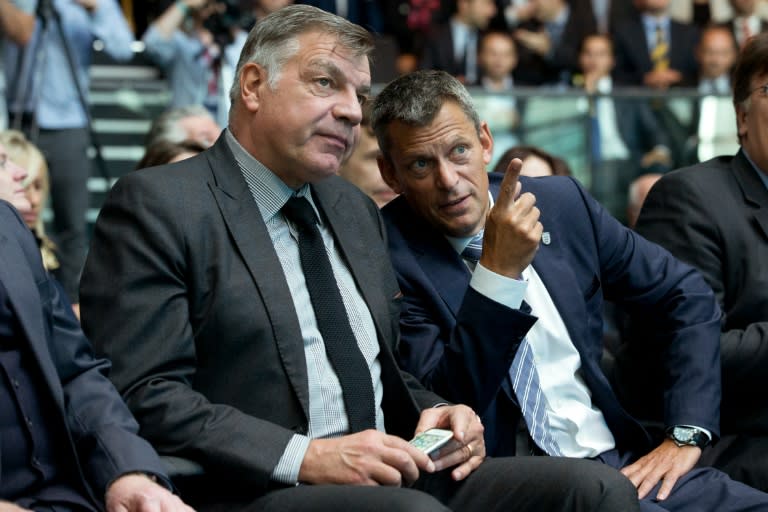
(274, 40)
(415, 99)
(166, 126)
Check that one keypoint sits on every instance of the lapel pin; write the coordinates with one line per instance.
(546, 239)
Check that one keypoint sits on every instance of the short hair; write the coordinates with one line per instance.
(415, 99)
(594, 35)
(163, 151)
(274, 40)
(752, 61)
(166, 126)
(497, 33)
(558, 165)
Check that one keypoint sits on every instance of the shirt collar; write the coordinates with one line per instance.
(269, 191)
(460, 243)
(763, 174)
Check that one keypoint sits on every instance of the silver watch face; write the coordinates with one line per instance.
(683, 434)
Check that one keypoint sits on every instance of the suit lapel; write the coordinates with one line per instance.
(244, 222)
(753, 188)
(557, 275)
(25, 299)
(444, 268)
(347, 231)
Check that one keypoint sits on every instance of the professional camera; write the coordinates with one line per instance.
(229, 15)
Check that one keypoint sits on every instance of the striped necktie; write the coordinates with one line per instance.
(660, 52)
(523, 374)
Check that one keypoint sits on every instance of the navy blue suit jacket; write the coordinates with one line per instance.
(366, 13)
(102, 434)
(461, 343)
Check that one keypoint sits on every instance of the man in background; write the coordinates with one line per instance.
(714, 215)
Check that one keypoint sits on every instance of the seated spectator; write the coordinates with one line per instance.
(713, 119)
(548, 42)
(192, 122)
(503, 280)
(654, 50)
(12, 178)
(452, 47)
(712, 215)
(166, 152)
(69, 442)
(197, 62)
(497, 59)
(266, 331)
(715, 54)
(626, 137)
(536, 162)
(361, 168)
(36, 187)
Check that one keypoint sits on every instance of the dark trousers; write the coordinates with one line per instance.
(743, 457)
(69, 169)
(700, 490)
(522, 484)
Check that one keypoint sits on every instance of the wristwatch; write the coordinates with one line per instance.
(688, 436)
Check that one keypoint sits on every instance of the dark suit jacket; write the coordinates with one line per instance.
(204, 337)
(714, 215)
(633, 59)
(101, 433)
(438, 52)
(461, 343)
(533, 69)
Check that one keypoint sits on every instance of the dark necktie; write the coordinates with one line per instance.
(340, 342)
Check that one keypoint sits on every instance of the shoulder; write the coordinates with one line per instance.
(705, 178)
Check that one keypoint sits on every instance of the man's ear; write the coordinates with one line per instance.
(741, 120)
(486, 142)
(253, 79)
(387, 171)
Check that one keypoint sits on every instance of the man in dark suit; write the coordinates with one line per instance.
(67, 441)
(465, 262)
(654, 50)
(244, 363)
(362, 12)
(452, 46)
(714, 215)
(548, 43)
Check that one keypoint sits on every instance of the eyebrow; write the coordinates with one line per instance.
(337, 74)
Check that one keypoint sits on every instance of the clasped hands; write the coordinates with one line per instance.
(376, 458)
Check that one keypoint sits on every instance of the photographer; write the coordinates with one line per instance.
(44, 102)
(196, 43)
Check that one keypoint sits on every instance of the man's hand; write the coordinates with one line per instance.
(138, 493)
(467, 448)
(667, 462)
(537, 42)
(512, 231)
(366, 458)
(662, 78)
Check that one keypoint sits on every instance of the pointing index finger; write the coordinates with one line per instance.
(510, 186)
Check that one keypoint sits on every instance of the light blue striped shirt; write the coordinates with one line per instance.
(327, 415)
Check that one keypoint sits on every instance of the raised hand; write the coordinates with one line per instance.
(512, 231)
